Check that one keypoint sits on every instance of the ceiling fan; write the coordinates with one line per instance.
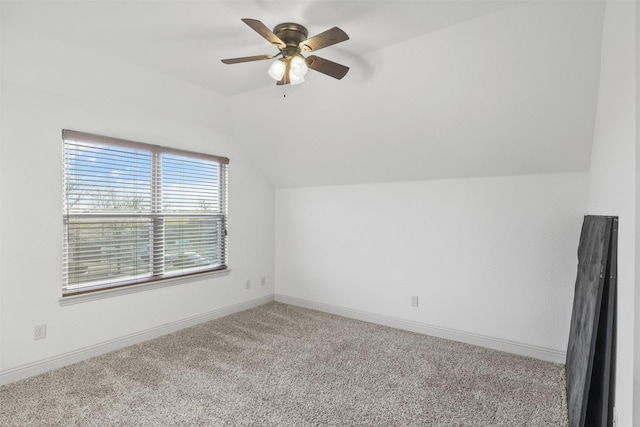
(291, 39)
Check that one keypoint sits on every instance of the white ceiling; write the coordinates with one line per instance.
(437, 89)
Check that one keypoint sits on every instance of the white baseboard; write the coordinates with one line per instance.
(59, 361)
(541, 353)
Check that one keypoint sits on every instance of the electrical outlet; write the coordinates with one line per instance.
(40, 332)
(414, 301)
(247, 284)
(263, 281)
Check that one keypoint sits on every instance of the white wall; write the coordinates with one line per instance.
(0, 188)
(636, 370)
(612, 177)
(487, 257)
(47, 87)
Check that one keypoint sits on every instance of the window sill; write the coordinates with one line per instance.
(108, 293)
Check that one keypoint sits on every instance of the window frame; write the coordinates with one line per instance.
(156, 275)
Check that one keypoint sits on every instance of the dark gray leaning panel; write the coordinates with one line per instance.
(594, 267)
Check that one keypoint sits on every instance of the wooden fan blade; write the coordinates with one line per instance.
(264, 31)
(247, 59)
(328, 38)
(330, 68)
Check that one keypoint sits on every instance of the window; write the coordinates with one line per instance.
(136, 213)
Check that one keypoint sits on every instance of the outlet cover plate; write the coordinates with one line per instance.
(40, 332)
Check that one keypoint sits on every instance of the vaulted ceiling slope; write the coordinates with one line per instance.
(437, 89)
(510, 92)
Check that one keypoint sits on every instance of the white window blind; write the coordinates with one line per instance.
(136, 212)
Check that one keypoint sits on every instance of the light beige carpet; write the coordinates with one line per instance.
(280, 365)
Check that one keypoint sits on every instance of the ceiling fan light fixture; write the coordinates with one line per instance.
(294, 79)
(277, 69)
(298, 67)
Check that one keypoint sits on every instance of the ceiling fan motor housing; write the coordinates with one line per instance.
(292, 35)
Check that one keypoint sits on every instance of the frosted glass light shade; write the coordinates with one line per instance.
(294, 80)
(277, 69)
(298, 67)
